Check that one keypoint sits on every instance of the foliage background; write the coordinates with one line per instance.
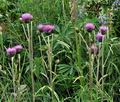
(66, 77)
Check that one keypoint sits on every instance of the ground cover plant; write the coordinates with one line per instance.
(59, 51)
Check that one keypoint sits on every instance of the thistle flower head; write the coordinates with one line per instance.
(47, 28)
(26, 17)
(103, 29)
(11, 51)
(89, 27)
(99, 37)
(18, 48)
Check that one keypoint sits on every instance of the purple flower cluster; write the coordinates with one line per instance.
(100, 35)
(11, 51)
(47, 28)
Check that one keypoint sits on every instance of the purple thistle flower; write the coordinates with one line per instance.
(18, 48)
(26, 17)
(47, 28)
(94, 49)
(89, 27)
(11, 51)
(103, 29)
(99, 37)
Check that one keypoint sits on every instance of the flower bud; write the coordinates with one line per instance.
(47, 28)
(26, 17)
(18, 48)
(11, 51)
(99, 37)
(103, 29)
(89, 27)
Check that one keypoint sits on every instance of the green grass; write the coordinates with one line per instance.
(63, 69)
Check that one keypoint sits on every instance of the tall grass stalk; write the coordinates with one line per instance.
(110, 15)
(73, 11)
(77, 37)
(63, 9)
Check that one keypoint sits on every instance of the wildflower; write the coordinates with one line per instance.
(94, 49)
(26, 17)
(99, 37)
(47, 28)
(11, 51)
(103, 29)
(89, 27)
(18, 48)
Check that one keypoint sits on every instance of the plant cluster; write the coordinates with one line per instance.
(65, 51)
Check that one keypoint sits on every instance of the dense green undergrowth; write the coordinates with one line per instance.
(62, 59)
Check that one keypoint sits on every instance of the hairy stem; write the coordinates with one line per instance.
(30, 48)
(14, 77)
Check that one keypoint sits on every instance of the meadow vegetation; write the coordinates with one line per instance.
(59, 51)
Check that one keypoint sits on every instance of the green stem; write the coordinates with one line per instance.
(19, 77)
(2, 48)
(50, 65)
(14, 76)
(30, 48)
(25, 31)
(98, 67)
(102, 69)
(50, 59)
(91, 62)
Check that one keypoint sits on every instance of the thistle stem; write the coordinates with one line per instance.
(91, 61)
(13, 73)
(30, 48)
(98, 67)
(19, 76)
(102, 69)
(2, 48)
(50, 65)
